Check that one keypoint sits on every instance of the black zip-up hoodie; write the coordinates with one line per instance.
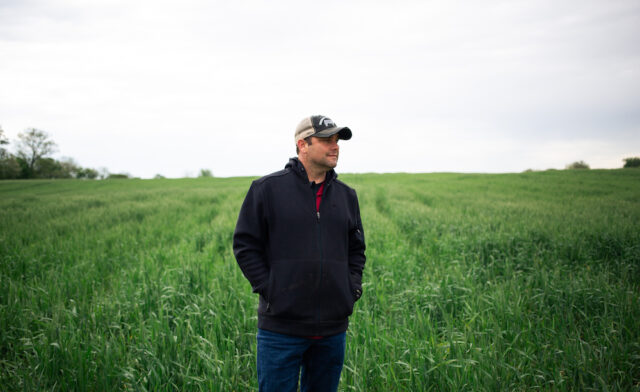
(306, 265)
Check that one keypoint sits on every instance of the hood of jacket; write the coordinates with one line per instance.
(297, 167)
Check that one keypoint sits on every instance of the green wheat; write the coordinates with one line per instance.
(474, 282)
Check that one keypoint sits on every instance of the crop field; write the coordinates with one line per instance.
(473, 282)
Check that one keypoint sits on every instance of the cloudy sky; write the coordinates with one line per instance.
(149, 87)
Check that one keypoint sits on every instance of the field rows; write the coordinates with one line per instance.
(473, 282)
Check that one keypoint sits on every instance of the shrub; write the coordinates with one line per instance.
(87, 173)
(114, 176)
(631, 162)
(49, 168)
(205, 173)
(578, 165)
(9, 167)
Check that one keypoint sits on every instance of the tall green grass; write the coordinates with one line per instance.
(473, 282)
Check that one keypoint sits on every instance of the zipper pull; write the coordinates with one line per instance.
(318, 215)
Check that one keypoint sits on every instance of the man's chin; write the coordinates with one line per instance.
(332, 163)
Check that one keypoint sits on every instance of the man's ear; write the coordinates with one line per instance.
(301, 144)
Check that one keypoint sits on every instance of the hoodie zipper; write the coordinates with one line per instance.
(320, 248)
(321, 256)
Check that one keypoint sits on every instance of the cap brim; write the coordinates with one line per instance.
(344, 133)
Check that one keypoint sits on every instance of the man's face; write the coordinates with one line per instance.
(323, 151)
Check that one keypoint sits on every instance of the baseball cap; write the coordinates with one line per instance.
(320, 126)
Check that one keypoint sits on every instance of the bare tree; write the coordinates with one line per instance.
(34, 144)
(103, 173)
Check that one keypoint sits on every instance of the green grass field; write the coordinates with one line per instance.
(474, 282)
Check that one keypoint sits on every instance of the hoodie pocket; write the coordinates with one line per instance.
(337, 294)
(293, 289)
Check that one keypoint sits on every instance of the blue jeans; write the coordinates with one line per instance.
(280, 358)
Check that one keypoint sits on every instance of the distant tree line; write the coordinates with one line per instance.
(628, 163)
(32, 159)
(34, 146)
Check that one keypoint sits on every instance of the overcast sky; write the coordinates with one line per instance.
(155, 87)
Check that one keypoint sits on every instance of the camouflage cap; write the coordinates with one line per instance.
(320, 126)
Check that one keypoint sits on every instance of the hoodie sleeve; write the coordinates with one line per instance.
(249, 239)
(356, 252)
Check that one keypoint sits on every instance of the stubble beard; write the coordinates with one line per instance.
(325, 163)
(330, 163)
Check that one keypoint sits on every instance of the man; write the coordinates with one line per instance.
(300, 244)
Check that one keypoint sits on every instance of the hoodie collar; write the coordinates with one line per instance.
(297, 167)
